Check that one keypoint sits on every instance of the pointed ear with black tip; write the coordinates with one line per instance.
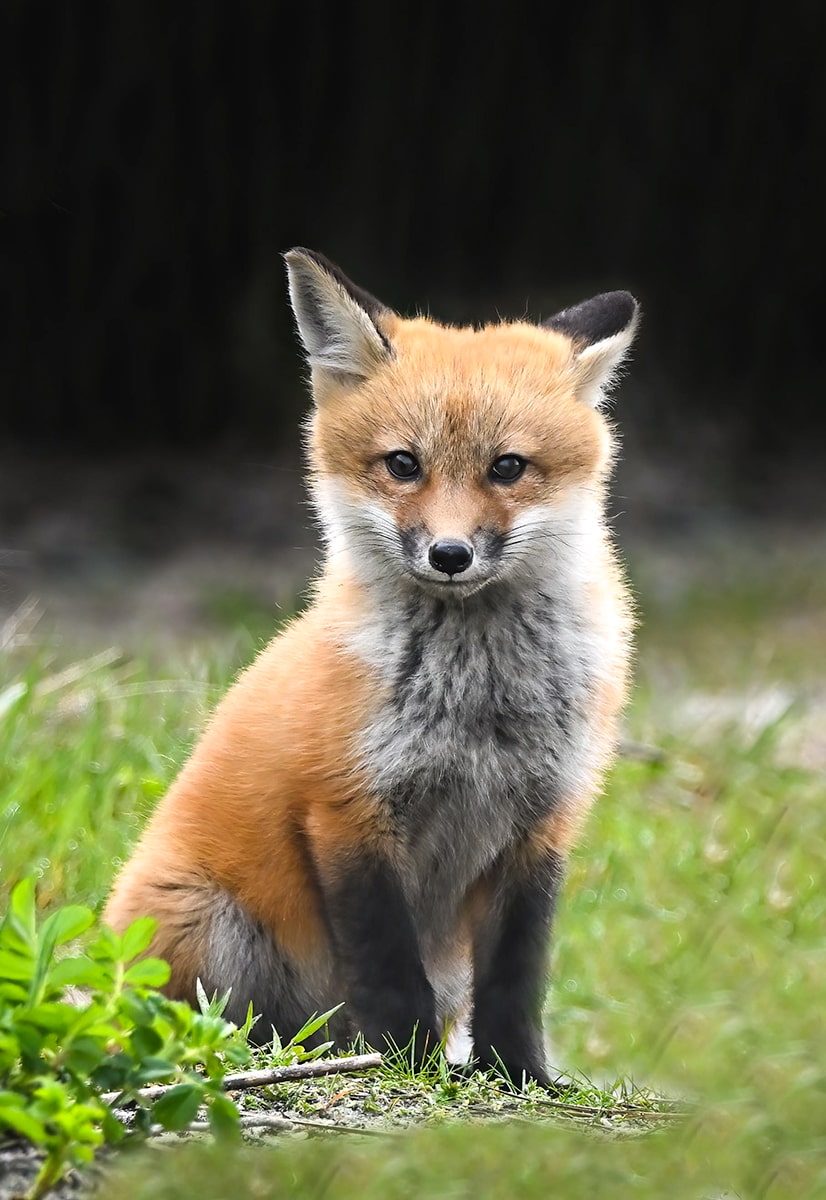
(339, 323)
(602, 330)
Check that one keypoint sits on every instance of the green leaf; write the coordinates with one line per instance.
(9, 1052)
(137, 937)
(317, 1051)
(113, 1130)
(113, 1073)
(211, 1007)
(148, 972)
(210, 1031)
(21, 914)
(153, 1070)
(84, 1055)
(60, 927)
(223, 1117)
(13, 940)
(141, 1008)
(79, 972)
(23, 1123)
(106, 947)
(85, 1153)
(67, 923)
(250, 1019)
(145, 1042)
(142, 1121)
(52, 1095)
(178, 1107)
(312, 1026)
(13, 993)
(51, 1016)
(31, 1041)
(236, 1053)
(16, 966)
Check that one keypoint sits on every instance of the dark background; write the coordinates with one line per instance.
(463, 159)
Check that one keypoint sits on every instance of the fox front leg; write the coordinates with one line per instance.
(387, 992)
(511, 953)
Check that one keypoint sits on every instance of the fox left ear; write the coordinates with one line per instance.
(602, 330)
(339, 323)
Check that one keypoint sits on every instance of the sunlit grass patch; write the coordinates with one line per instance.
(86, 750)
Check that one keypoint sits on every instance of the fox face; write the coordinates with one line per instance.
(450, 459)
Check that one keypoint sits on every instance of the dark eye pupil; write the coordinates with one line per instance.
(509, 466)
(402, 465)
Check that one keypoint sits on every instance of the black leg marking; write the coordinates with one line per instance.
(387, 991)
(511, 950)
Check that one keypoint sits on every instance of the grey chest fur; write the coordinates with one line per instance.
(484, 730)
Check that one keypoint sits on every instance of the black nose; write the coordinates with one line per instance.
(450, 557)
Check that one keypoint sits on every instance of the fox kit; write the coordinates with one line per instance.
(380, 810)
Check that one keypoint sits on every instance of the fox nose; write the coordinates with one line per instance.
(450, 557)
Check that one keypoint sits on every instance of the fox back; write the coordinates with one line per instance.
(380, 810)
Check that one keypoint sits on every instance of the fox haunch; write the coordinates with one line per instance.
(380, 810)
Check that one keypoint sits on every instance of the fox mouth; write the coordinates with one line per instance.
(450, 584)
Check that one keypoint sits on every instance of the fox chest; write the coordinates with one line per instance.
(481, 733)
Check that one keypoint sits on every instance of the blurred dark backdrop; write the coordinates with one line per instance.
(466, 159)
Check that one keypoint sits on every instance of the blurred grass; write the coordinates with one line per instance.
(690, 954)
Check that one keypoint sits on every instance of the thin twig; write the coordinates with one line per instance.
(244, 1080)
(332, 1127)
(272, 1122)
(250, 1121)
(656, 1114)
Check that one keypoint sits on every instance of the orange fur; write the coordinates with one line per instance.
(273, 766)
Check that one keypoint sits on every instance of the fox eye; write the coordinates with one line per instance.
(507, 468)
(403, 465)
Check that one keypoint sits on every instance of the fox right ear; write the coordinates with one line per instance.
(602, 330)
(339, 324)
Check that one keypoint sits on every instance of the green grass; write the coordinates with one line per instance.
(689, 957)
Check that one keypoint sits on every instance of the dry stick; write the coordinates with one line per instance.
(334, 1127)
(269, 1121)
(306, 1070)
(265, 1121)
(256, 1079)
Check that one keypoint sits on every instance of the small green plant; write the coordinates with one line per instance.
(276, 1053)
(65, 1068)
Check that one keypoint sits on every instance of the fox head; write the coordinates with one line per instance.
(448, 459)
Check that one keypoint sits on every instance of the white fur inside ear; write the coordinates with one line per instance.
(598, 366)
(338, 335)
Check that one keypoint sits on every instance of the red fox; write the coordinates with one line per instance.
(380, 810)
